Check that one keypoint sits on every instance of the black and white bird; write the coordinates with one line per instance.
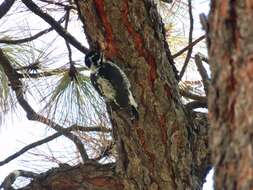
(110, 82)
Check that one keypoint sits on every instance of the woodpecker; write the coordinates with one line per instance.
(111, 82)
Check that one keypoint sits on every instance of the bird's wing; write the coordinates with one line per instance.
(117, 81)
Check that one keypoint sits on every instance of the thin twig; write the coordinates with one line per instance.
(5, 7)
(58, 28)
(188, 56)
(189, 46)
(17, 87)
(67, 43)
(31, 38)
(72, 69)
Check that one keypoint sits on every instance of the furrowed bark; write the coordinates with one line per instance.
(230, 98)
(78, 177)
(157, 151)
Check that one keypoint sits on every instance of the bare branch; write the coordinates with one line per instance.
(67, 43)
(5, 7)
(188, 56)
(192, 96)
(17, 87)
(58, 28)
(65, 132)
(189, 46)
(28, 147)
(72, 69)
(89, 129)
(202, 72)
(47, 73)
(31, 38)
(50, 138)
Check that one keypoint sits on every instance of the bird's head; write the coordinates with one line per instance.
(93, 59)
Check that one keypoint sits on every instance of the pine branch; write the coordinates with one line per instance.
(17, 87)
(57, 27)
(31, 38)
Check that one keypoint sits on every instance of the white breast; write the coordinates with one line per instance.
(106, 88)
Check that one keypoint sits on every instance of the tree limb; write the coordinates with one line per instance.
(28, 147)
(31, 38)
(51, 137)
(5, 7)
(47, 73)
(89, 129)
(17, 87)
(189, 46)
(202, 72)
(190, 95)
(58, 28)
(92, 175)
(67, 43)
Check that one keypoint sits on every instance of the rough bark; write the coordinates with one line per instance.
(167, 148)
(78, 177)
(230, 100)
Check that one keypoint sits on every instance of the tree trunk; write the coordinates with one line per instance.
(168, 147)
(230, 100)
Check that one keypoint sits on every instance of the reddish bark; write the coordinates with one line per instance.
(230, 97)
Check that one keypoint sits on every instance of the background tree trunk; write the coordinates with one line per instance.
(230, 100)
(168, 147)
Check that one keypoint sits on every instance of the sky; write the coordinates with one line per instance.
(18, 132)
